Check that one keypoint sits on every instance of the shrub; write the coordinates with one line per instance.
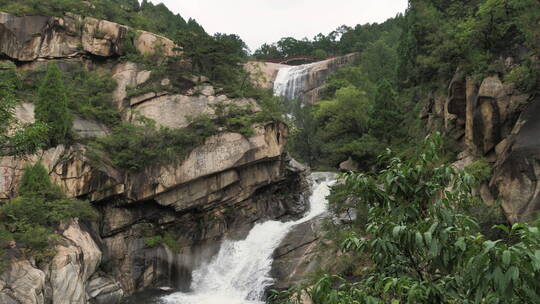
(32, 218)
(168, 240)
(90, 95)
(133, 147)
(36, 183)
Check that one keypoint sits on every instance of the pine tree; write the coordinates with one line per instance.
(36, 182)
(52, 106)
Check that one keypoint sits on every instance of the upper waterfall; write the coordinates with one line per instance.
(240, 272)
(291, 81)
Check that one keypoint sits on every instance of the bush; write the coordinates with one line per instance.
(168, 240)
(36, 183)
(32, 218)
(525, 76)
(134, 147)
(90, 95)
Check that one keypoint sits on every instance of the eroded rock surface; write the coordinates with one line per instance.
(492, 120)
(28, 38)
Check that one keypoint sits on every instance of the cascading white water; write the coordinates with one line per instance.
(240, 272)
(290, 81)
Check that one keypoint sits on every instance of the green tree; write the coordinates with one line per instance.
(420, 243)
(32, 218)
(304, 141)
(16, 138)
(52, 106)
(36, 182)
(7, 99)
(385, 117)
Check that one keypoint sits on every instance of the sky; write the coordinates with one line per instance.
(266, 21)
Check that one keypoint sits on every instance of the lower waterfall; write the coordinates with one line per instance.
(240, 272)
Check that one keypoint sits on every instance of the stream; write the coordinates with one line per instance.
(240, 272)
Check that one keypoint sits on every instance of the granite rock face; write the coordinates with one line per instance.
(65, 279)
(311, 79)
(492, 120)
(28, 38)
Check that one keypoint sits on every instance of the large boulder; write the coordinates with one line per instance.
(74, 263)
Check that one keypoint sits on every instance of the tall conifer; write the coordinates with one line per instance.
(52, 106)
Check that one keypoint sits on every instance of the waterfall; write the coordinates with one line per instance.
(240, 272)
(290, 81)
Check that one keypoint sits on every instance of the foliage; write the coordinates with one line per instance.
(32, 218)
(16, 138)
(525, 76)
(423, 243)
(36, 183)
(365, 123)
(219, 57)
(168, 240)
(304, 143)
(133, 147)
(385, 117)
(342, 40)
(438, 38)
(90, 95)
(52, 106)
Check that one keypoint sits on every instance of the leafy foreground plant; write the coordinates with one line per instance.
(424, 247)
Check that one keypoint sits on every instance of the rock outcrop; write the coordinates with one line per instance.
(64, 280)
(307, 80)
(492, 120)
(29, 38)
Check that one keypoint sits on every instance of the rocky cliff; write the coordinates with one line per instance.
(305, 81)
(494, 121)
(220, 189)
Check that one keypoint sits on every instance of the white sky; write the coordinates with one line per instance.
(260, 21)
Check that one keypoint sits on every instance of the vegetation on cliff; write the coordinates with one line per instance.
(140, 15)
(52, 106)
(16, 138)
(33, 218)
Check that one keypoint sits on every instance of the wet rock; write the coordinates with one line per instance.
(487, 120)
(104, 290)
(297, 255)
(312, 80)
